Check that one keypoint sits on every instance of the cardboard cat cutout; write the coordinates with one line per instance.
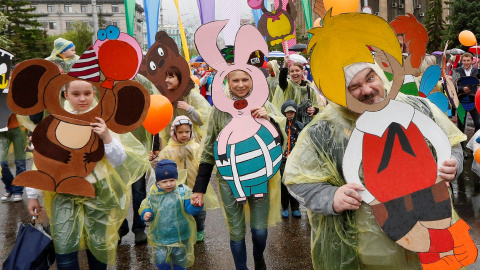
(409, 199)
(279, 25)
(5, 66)
(247, 150)
(66, 149)
(162, 55)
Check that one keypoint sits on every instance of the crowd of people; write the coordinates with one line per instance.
(174, 196)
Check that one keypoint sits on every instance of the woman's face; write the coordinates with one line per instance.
(296, 73)
(240, 83)
(172, 82)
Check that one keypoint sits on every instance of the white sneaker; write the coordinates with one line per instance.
(17, 198)
(6, 196)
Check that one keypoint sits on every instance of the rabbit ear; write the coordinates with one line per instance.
(206, 43)
(248, 40)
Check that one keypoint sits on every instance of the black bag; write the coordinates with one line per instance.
(302, 114)
(33, 249)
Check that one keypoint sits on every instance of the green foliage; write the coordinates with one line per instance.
(464, 15)
(102, 23)
(22, 30)
(4, 41)
(81, 35)
(434, 24)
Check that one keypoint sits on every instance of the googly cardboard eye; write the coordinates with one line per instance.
(112, 32)
(102, 34)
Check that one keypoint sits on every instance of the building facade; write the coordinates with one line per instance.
(57, 16)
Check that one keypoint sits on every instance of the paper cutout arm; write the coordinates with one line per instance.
(351, 163)
(44, 146)
(223, 137)
(96, 155)
(435, 135)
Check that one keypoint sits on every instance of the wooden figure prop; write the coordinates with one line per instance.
(162, 55)
(66, 148)
(277, 26)
(5, 66)
(409, 199)
(467, 99)
(247, 150)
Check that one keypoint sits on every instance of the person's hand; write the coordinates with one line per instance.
(183, 105)
(196, 199)
(466, 89)
(147, 216)
(34, 204)
(102, 131)
(153, 155)
(286, 61)
(260, 112)
(310, 111)
(347, 198)
(448, 170)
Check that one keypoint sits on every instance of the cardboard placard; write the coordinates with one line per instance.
(279, 25)
(5, 66)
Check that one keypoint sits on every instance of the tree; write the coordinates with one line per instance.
(464, 15)
(434, 24)
(30, 41)
(4, 41)
(102, 23)
(81, 35)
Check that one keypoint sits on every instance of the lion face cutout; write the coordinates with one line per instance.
(162, 55)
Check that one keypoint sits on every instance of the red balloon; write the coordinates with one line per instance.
(477, 100)
(159, 115)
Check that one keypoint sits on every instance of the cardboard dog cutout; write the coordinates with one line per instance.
(5, 66)
(409, 199)
(279, 25)
(247, 150)
(162, 55)
(66, 149)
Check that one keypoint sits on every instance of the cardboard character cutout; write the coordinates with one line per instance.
(409, 199)
(162, 55)
(279, 25)
(5, 66)
(66, 149)
(247, 150)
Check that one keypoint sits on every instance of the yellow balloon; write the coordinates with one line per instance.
(341, 6)
(317, 22)
(467, 38)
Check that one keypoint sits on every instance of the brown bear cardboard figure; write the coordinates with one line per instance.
(66, 149)
(162, 55)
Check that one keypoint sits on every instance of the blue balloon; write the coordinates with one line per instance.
(440, 100)
(102, 34)
(112, 32)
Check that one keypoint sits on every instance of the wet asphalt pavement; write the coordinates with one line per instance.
(288, 245)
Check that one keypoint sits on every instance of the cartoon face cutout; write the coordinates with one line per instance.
(159, 59)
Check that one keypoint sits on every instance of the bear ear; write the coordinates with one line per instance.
(131, 107)
(27, 86)
(164, 39)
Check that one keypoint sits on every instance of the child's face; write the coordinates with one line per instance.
(290, 115)
(183, 133)
(167, 184)
(69, 53)
(80, 94)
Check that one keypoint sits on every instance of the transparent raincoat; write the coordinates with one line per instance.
(63, 63)
(273, 81)
(187, 156)
(474, 145)
(92, 223)
(296, 93)
(201, 106)
(352, 239)
(256, 214)
(172, 232)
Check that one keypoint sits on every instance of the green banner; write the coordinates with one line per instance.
(308, 15)
(130, 15)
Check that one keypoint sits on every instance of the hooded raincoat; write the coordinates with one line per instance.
(65, 64)
(352, 239)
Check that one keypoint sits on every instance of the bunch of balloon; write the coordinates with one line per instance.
(159, 115)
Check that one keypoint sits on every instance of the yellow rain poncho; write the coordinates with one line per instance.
(352, 239)
(297, 93)
(254, 212)
(272, 81)
(64, 63)
(203, 108)
(92, 223)
(187, 156)
(172, 231)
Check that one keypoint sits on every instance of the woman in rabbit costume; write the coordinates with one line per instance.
(261, 211)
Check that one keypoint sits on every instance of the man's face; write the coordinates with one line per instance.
(467, 62)
(367, 87)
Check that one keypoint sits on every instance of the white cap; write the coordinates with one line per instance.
(353, 69)
(289, 108)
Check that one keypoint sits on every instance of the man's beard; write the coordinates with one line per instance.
(369, 99)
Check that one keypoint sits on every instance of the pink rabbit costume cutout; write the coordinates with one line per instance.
(247, 150)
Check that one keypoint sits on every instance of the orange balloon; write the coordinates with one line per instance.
(159, 115)
(317, 22)
(195, 79)
(467, 38)
(477, 155)
(341, 6)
